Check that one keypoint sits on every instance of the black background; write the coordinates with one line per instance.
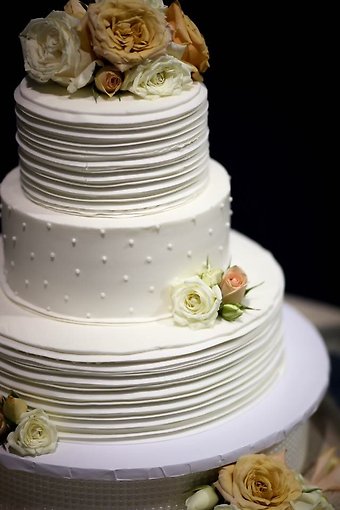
(271, 83)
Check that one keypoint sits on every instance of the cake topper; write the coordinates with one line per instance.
(139, 46)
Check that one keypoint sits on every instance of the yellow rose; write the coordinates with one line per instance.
(13, 408)
(233, 285)
(127, 33)
(185, 32)
(75, 9)
(258, 482)
(108, 80)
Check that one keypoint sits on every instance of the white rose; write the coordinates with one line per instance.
(203, 499)
(165, 76)
(52, 50)
(156, 4)
(314, 500)
(34, 435)
(195, 304)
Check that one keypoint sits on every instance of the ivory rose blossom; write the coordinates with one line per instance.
(203, 499)
(52, 51)
(187, 34)
(34, 435)
(195, 304)
(127, 33)
(233, 285)
(108, 80)
(259, 482)
(165, 76)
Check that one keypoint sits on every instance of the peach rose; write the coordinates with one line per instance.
(258, 482)
(127, 33)
(75, 9)
(233, 285)
(185, 32)
(108, 80)
(13, 408)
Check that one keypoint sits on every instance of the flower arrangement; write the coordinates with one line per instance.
(265, 482)
(26, 431)
(140, 46)
(197, 301)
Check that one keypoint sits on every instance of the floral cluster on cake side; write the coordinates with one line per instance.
(26, 431)
(140, 46)
(197, 301)
(263, 482)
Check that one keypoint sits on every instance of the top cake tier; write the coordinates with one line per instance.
(92, 155)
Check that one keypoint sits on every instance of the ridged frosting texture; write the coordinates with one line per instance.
(118, 269)
(111, 156)
(151, 380)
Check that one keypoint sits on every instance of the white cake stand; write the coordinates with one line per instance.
(142, 476)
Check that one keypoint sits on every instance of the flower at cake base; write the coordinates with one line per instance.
(233, 285)
(313, 500)
(258, 482)
(195, 304)
(204, 498)
(165, 76)
(34, 434)
(127, 33)
(52, 50)
(187, 34)
(13, 408)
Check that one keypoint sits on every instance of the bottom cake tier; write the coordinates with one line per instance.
(160, 475)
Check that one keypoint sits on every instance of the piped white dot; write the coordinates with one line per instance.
(12, 263)
(126, 278)
(220, 248)
(88, 315)
(169, 247)
(227, 224)
(48, 226)
(222, 205)
(131, 309)
(231, 199)
(32, 255)
(48, 308)
(45, 283)
(148, 259)
(66, 298)
(102, 295)
(104, 259)
(102, 232)
(52, 255)
(77, 271)
(23, 226)
(189, 254)
(74, 241)
(210, 231)
(14, 240)
(27, 282)
(151, 289)
(131, 242)
(4, 237)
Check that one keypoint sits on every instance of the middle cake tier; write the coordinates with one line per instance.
(108, 270)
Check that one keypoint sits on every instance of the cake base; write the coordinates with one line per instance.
(160, 475)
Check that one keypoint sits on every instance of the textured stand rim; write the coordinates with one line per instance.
(294, 397)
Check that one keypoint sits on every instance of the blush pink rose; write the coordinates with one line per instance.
(233, 285)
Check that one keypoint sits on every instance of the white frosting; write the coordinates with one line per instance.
(105, 269)
(109, 156)
(133, 382)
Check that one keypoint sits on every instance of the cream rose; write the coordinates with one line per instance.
(165, 76)
(34, 435)
(195, 304)
(108, 80)
(233, 285)
(203, 499)
(53, 50)
(314, 500)
(127, 33)
(187, 34)
(259, 482)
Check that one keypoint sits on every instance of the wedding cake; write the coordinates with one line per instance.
(132, 315)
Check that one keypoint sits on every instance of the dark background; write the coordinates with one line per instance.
(271, 84)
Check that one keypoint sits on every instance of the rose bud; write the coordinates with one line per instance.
(13, 408)
(230, 312)
(233, 285)
(108, 80)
